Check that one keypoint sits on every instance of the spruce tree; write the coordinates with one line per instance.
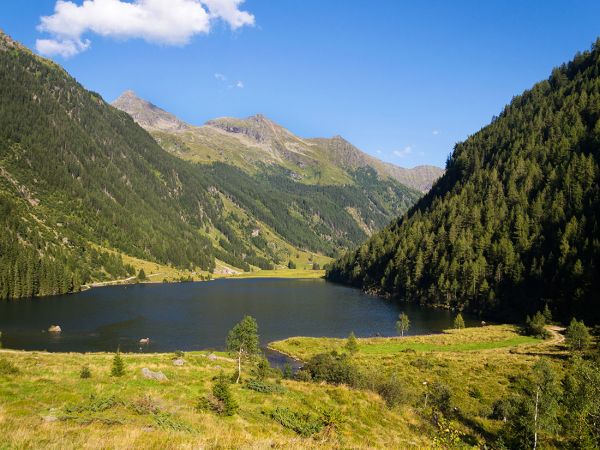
(118, 366)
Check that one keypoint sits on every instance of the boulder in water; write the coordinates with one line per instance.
(144, 341)
(54, 329)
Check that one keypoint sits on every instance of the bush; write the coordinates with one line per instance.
(459, 322)
(263, 369)
(287, 373)
(351, 345)
(440, 397)
(303, 375)
(85, 372)
(421, 363)
(302, 423)
(536, 326)
(7, 368)
(500, 410)
(265, 388)
(179, 354)
(221, 400)
(392, 391)
(332, 368)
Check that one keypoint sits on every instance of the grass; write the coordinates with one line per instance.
(281, 273)
(45, 403)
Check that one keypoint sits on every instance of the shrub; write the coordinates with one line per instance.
(391, 390)
(303, 375)
(475, 392)
(302, 423)
(288, 373)
(536, 326)
(221, 400)
(351, 345)
(440, 397)
(7, 368)
(332, 368)
(500, 410)
(265, 388)
(421, 363)
(145, 405)
(179, 354)
(263, 369)
(118, 366)
(85, 372)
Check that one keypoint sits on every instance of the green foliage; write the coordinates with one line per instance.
(288, 373)
(577, 336)
(263, 369)
(332, 368)
(459, 322)
(85, 372)
(440, 397)
(533, 411)
(351, 345)
(392, 391)
(118, 365)
(547, 314)
(243, 340)
(8, 368)
(291, 264)
(142, 275)
(403, 324)
(513, 223)
(222, 393)
(536, 326)
(265, 388)
(304, 424)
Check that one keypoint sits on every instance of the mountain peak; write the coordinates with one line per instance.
(146, 114)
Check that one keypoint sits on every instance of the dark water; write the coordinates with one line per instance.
(193, 316)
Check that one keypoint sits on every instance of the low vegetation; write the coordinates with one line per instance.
(390, 392)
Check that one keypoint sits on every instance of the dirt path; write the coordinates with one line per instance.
(557, 336)
(121, 281)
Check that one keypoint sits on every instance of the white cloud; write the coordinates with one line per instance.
(404, 152)
(239, 84)
(220, 77)
(167, 22)
(65, 48)
(435, 132)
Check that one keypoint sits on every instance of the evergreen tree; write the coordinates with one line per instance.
(459, 322)
(118, 366)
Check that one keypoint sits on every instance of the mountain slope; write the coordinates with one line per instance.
(253, 142)
(514, 223)
(84, 188)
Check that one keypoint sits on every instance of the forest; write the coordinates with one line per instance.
(514, 224)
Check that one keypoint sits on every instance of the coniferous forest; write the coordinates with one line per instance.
(79, 178)
(514, 224)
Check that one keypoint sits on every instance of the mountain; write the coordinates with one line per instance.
(257, 141)
(87, 195)
(514, 223)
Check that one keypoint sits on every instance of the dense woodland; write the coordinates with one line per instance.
(514, 223)
(78, 176)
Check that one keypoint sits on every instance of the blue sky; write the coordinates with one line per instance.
(404, 81)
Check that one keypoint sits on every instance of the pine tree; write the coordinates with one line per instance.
(459, 322)
(118, 366)
(351, 345)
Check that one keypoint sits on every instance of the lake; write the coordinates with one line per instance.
(194, 316)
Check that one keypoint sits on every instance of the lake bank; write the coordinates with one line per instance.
(133, 411)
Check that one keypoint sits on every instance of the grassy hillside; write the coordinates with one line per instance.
(131, 411)
(514, 222)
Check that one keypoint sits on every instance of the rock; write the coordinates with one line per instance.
(54, 329)
(178, 362)
(159, 376)
(213, 357)
(50, 418)
(144, 341)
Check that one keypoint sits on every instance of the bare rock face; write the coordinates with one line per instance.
(147, 115)
(158, 376)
